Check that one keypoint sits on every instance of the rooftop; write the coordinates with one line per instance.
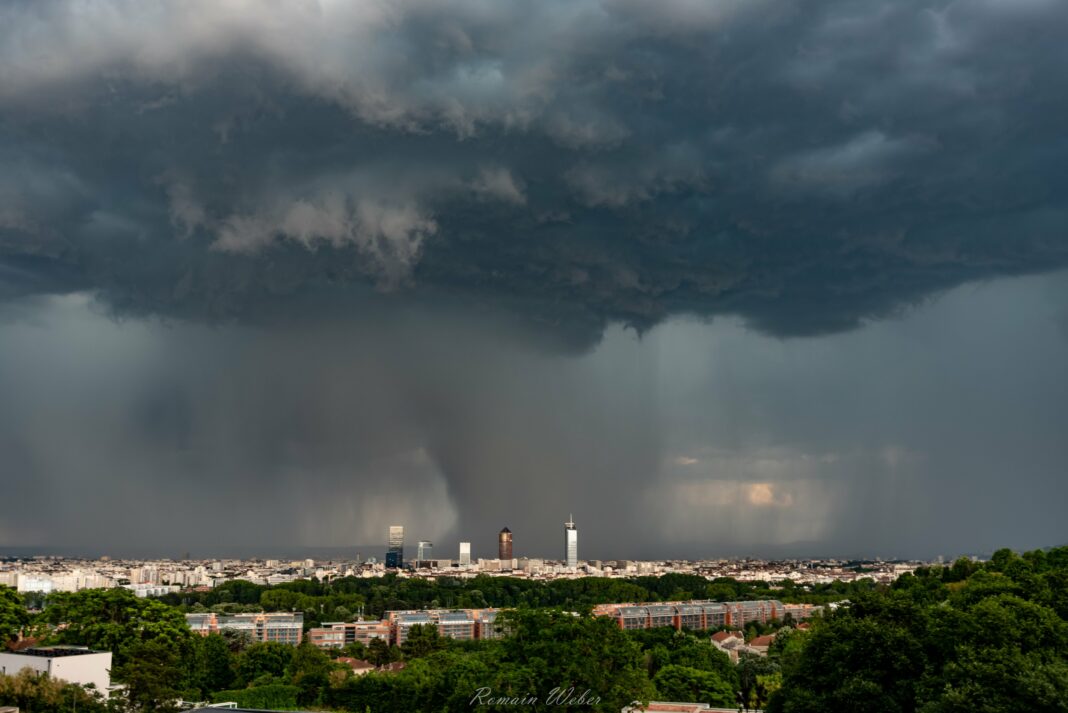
(56, 651)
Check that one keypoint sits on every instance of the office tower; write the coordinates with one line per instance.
(395, 553)
(465, 553)
(424, 550)
(504, 545)
(570, 542)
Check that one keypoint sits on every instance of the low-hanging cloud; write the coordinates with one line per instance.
(371, 237)
(805, 165)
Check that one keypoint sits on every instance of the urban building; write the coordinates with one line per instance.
(74, 664)
(486, 626)
(465, 554)
(504, 545)
(336, 635)
(697, 615)
(462, 624)
(570, 542)
(424, 551)
(283, 627)
(395, 552)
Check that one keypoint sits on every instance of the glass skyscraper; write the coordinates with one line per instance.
(395, 553)
(570, 542)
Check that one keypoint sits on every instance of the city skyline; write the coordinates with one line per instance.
(723, 277)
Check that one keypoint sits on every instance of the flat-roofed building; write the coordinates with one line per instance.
(404, 621)
(695, 615)
(456, 625)
(335, 635)
(486, 626)
(283, 627)
(74, 664)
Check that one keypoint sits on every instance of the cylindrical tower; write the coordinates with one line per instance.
(504, 544)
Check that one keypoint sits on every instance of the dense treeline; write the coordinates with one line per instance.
(988, 637)
(971, 638)
(342, 598)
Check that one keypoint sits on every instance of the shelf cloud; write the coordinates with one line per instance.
(302, 243)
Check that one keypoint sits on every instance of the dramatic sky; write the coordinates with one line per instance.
(717, 276)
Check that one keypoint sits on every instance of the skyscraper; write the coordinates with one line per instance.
(395, 553)
(504, 544)
(570, 542)
(424, 551)
(465, 553)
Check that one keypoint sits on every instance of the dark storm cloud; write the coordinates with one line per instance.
(370, 227)
(938, 433)
(802, 164)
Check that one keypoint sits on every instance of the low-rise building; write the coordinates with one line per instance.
(283, 627)
(338, 634)
(74, 664)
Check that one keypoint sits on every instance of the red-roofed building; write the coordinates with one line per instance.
(761, 643)
(358, 666)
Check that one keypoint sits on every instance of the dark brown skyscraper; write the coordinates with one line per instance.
(504, 544)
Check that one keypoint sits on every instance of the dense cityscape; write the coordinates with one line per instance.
(156, 577)
(110, 635)
(351, 635)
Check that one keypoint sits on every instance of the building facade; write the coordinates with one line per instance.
(336, 635)
(424, 551)
(570, 543)
(283, 627)
(395, 550)
(698, 615)
(74, 664)
(504, 545)
(461, 624)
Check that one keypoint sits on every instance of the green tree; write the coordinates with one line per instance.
(378, 652)
(116, 620)
(31, 692)
(682, 683)
(215, 664)
(263, 659)
(561, 650)
(13, 615)
(423, 640)
(150, 677)
(309, 670)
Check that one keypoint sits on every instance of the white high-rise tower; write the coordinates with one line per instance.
(570, 542)
(465, 553)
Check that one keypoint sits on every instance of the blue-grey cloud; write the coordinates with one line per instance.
(804, 164)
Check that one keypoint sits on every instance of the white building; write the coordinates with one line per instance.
(74, 664)
(465, 554)
(570, 543)
(424, 550)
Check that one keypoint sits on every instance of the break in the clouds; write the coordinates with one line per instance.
(331, 191)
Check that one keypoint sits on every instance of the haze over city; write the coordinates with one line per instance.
(726, 278)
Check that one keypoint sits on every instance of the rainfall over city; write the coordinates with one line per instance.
(627, 356)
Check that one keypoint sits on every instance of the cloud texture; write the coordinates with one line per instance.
(803, 164)
(352, 263)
